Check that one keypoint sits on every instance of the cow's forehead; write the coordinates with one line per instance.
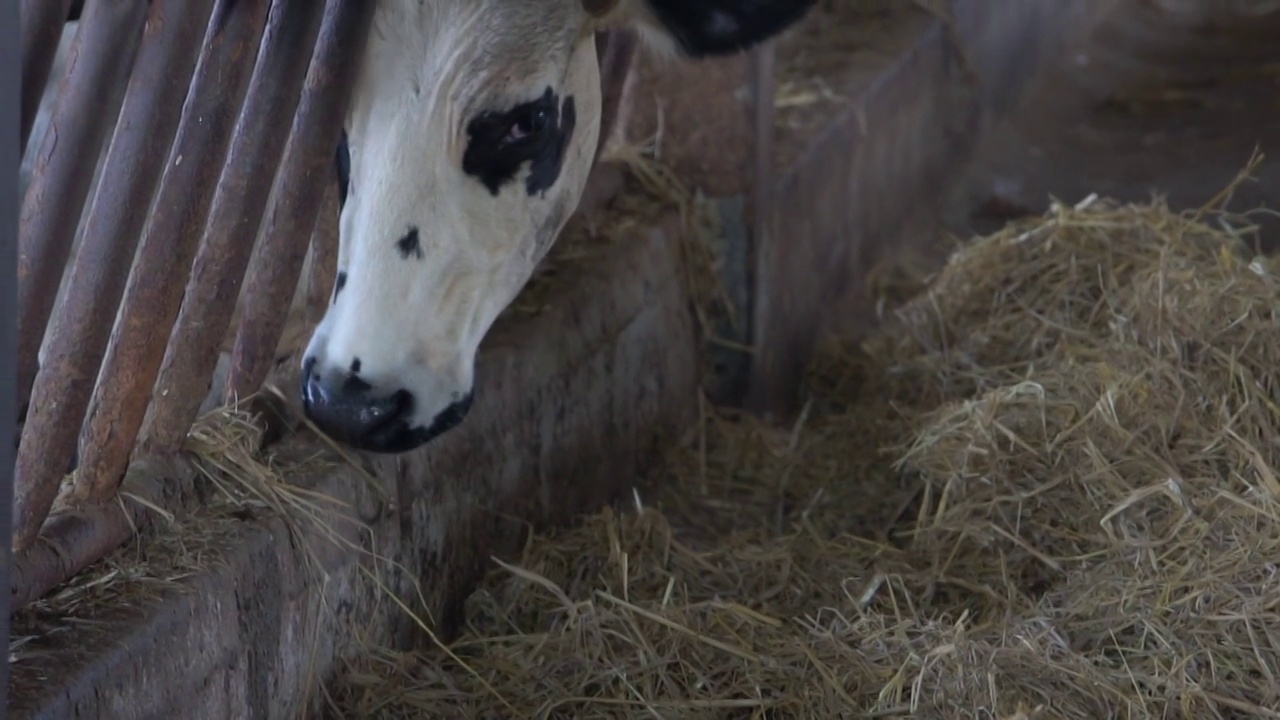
(485, 51)
(515, 34)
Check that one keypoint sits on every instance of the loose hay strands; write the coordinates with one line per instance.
(1048, 490)
(224, 446)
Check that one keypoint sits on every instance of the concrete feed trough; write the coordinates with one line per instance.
(888, 127)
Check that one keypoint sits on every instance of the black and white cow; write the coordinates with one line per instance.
(471, 132)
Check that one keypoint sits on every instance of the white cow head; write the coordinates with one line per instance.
(472, 129)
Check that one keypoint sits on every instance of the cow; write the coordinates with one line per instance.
(471, 130)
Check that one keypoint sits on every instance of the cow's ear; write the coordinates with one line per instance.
(700, 28)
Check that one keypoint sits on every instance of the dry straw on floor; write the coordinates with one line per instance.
(1048, 490)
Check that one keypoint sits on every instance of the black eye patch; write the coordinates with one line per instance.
(538, 133)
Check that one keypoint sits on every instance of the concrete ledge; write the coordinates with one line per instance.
(572, 401)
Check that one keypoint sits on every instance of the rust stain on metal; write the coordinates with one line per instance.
(69, 543)
(78, 334)
(42, 25)
(324, 255)
(73, 539)
(97, 73)
(238, 208)
(154, 290)
(277, 262)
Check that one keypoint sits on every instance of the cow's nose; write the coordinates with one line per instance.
(350, 411)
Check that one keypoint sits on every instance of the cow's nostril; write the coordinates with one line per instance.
(403, 402)
(347, 409)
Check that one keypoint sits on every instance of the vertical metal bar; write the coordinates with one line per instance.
(154, 291)
(78, 335)
(10, 154)
(98, 69)
(277, 263)
(69, 543)
(42, 24)
(616, 50)
(324, 255)
(238, 208)
(764, 98)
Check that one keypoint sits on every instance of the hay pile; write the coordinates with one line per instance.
(1048, 490)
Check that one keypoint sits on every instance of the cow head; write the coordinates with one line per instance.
(471, 131)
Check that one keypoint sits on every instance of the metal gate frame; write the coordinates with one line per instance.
(165, 245)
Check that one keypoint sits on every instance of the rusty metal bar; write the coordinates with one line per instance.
(69, 543)
(764, 82)
(97, 73)
(78, 335)
(324, 255)
(154, 290)
(277, 263)
(73, 539)
(238, 207)
(42, 25)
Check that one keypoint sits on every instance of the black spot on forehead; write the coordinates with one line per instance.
(494, 158)
(342, 162)
(355, 366)
(410, 244)
(337, 287)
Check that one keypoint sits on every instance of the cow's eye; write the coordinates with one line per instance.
(528, 122)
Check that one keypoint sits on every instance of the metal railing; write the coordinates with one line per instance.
(194, 145)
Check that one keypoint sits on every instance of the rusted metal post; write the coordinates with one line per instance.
(74, 538)
(324, 255)
(70, 543)
(42, 24)
(764, 100)
(78, 335)
(238, 207)
(764, 83)
(154, 290)
(97, 74)
(273, 273)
